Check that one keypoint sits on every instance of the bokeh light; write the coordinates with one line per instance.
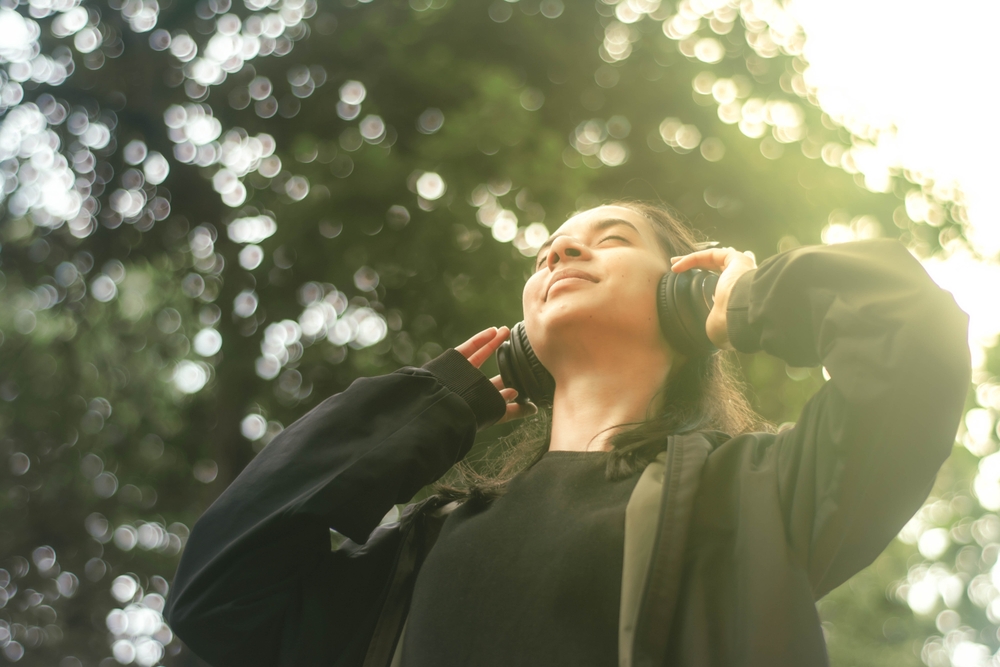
(111, 253)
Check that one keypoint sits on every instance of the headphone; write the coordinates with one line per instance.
(683, 302)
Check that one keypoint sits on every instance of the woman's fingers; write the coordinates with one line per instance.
(518, 411)
(479, 348)
(479, 357)
(514, 410)
(712, 259)
(476, 342)
(730, 263)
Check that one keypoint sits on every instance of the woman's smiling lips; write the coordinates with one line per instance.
(566, 274)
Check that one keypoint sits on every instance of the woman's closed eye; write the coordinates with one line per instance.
(613, 236)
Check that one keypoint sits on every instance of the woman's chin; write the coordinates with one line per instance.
(562, 313)
(575, 319)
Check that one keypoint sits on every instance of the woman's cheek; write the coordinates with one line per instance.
(528, 302)
(532, 289)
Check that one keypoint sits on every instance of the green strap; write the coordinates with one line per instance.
(686, 456)
(641, 516)
(397, 657)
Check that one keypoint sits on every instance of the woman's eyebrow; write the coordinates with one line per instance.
(598, 226)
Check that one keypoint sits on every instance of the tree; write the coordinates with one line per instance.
(217, 215)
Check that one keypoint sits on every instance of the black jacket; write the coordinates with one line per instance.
(728, 542)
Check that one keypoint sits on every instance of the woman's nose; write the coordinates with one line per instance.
(564, 247)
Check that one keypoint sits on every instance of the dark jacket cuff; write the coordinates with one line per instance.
(455, 372)
(743, 335)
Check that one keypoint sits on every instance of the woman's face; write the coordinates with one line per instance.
(613, 253)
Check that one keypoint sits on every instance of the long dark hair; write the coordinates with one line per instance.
(700, 393)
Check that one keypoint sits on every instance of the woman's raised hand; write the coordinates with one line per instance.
(730, 264)
(477, 350)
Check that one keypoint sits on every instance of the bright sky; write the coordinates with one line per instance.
(929, 69)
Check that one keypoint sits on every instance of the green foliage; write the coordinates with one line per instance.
(121, 420)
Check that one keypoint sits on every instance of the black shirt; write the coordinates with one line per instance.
(532, 579)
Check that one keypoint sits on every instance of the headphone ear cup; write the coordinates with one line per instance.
(520, 369)
(684, 301)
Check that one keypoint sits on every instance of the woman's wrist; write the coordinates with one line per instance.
(462, 377)
(743, 336)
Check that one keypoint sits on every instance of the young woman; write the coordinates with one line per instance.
(656, 521)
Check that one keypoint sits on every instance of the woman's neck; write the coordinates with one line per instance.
(593, 397)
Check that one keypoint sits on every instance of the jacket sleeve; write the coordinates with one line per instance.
(865, 451)
(258, 582)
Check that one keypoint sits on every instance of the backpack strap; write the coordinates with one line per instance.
(686, 457)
